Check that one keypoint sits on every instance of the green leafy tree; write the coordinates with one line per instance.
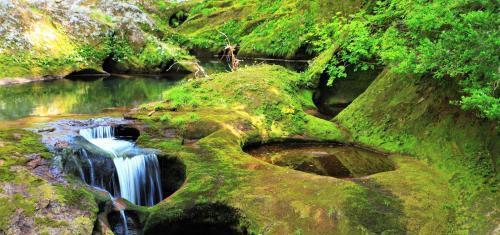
(444, 39)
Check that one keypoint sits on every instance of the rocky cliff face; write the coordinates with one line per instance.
(52, 37)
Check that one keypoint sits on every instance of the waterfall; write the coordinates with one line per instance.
(91, 167)
(124, 220)
(138, 176)
(139, 179)
(103, 137)
(78, 167)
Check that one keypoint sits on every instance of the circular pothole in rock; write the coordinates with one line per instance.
(126, 132)
(327, 159)
(206, 218)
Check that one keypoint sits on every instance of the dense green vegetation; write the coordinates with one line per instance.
(262, 28)
(413, 116)
(262, 104)
(455, 42)
(431, 106)
(42, 40)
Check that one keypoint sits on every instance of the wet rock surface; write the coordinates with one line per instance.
(97, 163)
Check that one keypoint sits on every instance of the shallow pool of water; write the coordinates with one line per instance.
(83, 96)
(326, 159)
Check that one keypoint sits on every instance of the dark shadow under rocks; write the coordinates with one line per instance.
(178, 18)
(332, 99)
(87, 75)
(118, 219)
(206, 218)
(172, 174)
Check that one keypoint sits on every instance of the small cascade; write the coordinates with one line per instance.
(78, 167)
(100, 132)
(91, 167)
(124, 221)
(103, 137)
(97, 171)
(138, 175)
(139, 179)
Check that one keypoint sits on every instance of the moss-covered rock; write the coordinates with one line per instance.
(260, 104)
(409, 115)
(262, 28)
(30, 200)
(55, 38)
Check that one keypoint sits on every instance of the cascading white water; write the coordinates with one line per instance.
(104, 138)
(78, 167)
(91, 166)
(138, 176)
(124, 221)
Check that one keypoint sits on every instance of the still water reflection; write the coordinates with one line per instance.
(79, 97)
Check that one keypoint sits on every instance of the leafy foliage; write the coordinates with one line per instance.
(444, 39)
(265, 28)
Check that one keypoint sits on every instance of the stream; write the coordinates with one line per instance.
(60, 97)
(91, 145)
(96, 95)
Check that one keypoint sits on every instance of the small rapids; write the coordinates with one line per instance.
(136, 174)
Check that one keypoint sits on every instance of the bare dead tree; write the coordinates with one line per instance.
(230, 53)
(199, 70)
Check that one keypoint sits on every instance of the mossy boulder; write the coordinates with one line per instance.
(54, 38)
(31, 199)
(413, 115)
(262, 28)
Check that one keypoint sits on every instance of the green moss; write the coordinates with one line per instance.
(408, 116)
(377, 212)
(31, 190)
(102, 17)
(61, 53)
(17, 144)
(265, 103)
(48, 222)
(79, 198)
(266, 94)
(269, 28)
(30, 64)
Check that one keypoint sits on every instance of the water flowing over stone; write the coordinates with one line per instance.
(124, 221)
(103, 137)
(138, 175)
(139, 179)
